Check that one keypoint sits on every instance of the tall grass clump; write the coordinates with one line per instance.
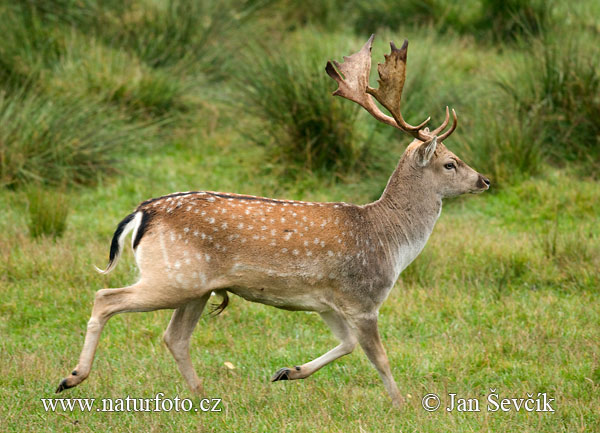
(502, 144)
(193, 33)
(91, 70)
(375, 14)
(299, 121)
(559, 84)
(508, 20)
(493, 20)
(48, 211)
(26, 47)
(53, 141)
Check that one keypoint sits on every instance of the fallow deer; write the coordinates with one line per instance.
(338, 259)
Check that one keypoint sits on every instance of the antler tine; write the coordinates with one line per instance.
(392, 75)
(452, 128)
(355, 80)
(440, 128)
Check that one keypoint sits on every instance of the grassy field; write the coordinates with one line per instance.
(105, 104)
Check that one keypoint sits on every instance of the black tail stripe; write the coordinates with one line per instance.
(142, 228)
(114, 245)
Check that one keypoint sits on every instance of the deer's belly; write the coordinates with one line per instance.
(287, 299)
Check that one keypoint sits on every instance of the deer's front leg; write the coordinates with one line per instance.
(368, 336)
(342, 331)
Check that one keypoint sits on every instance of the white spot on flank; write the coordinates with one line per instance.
(188, 261)
(187, 229)
(287, 236)
(207, 257)
(273, 232)
(284, 250)
(240, 225)
(247, 212)
(316, 241)
(282, 220)
(263, 228)
(305, 243)
(202, 235)
(211, 220)
(295, 252)
(309, 253)
(322, 244)
(196, 233)
(203, 213)
(330, 253)
(188, 208)
(177, 264)
(224, 225)
(211, 199)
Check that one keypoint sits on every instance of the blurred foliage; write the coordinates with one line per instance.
(299, 121)
(97, 73)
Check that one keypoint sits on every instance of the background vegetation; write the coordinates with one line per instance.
(106, 103)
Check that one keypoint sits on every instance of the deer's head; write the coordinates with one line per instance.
(427, 157)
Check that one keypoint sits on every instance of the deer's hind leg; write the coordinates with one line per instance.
(142, 296)
(177, 338)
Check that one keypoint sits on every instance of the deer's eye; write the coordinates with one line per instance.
(450, 166)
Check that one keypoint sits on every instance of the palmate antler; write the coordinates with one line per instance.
(352, 77)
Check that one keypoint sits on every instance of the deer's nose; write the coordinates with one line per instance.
(484, 182)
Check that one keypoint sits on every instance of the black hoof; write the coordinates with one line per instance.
(62, 386)
(281, 374)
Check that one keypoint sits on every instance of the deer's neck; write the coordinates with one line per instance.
(404, 217)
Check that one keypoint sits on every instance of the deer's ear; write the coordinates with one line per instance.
(425, 152)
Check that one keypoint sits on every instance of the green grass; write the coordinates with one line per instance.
(48, 212)
(505, 295)
(106, 104)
